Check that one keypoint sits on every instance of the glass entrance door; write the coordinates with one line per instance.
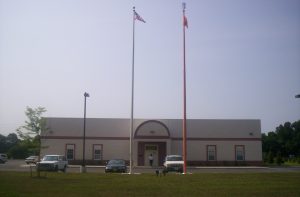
(151, 150)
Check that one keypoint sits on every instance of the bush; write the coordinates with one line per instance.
(279, 159)
(18, 151)
(270, 157)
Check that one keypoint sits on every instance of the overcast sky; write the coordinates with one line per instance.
(243, 59)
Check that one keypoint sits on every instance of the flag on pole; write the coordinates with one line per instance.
(184, 126)
(138, 17)
(185, 22)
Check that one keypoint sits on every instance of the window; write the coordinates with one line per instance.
(239, 153)
(70, 151)
(211, 153)
(97, 151)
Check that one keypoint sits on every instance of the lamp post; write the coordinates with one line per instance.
(83, 146)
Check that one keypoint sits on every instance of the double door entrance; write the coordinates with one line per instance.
(154, 150)
(151, 153)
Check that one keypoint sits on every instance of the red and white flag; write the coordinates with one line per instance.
(138, 17)
(185, 22)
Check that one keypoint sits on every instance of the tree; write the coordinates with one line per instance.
(31, 131)
(3, 146)
(284, 143)
(8, 142)
(270, 158)
(18, 151)
(279, 159)
(296, 137)
(12, 139)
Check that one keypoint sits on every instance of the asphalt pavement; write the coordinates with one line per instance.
(21, 166)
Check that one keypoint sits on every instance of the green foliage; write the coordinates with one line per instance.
(279, 159)
(16, 148)
(284, 143)
(19, 151)
(34, 125)
(3, 145)
(12, 139)
(8, 142)
(270, 157)
(31, 131)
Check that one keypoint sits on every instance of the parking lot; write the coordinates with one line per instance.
(21, 166)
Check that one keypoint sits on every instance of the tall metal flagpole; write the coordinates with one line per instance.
(184, 95)
(132, 97)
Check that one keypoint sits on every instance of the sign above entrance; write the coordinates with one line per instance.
(151, 147)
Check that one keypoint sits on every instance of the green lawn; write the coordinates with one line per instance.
(206, 184)
(289, 163)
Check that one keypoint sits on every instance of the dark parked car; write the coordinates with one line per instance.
(116, 165)
(31, 159)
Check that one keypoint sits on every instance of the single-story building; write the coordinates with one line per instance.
(209, 141)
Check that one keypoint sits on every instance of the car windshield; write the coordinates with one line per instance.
(119, 162)
(174, 158)
(50, 158)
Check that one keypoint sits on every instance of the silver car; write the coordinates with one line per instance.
(32, 159)
(3, 158)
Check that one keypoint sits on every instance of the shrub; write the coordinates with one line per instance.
(279, 159)
(270, 157)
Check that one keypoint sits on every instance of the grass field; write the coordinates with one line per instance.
(206, 184)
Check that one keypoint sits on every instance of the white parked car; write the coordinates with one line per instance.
(52, 163)
(173, 163)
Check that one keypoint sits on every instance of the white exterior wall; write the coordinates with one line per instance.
(197, 150)
(225, 151)
(54, 147)
(110, 148)
(113, 135)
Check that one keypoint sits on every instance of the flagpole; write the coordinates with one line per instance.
(184, 96)
(132, 97)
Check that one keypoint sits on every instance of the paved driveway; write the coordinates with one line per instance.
(21, 166)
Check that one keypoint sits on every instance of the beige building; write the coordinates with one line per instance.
(209, 142)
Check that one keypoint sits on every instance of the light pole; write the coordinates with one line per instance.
(83, 146)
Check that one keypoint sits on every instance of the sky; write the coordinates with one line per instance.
(242, 58)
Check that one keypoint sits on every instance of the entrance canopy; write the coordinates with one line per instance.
(152, 129)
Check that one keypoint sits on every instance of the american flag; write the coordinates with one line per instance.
(185, 22)
(138, 17)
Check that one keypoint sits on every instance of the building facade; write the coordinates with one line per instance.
(209, 142)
